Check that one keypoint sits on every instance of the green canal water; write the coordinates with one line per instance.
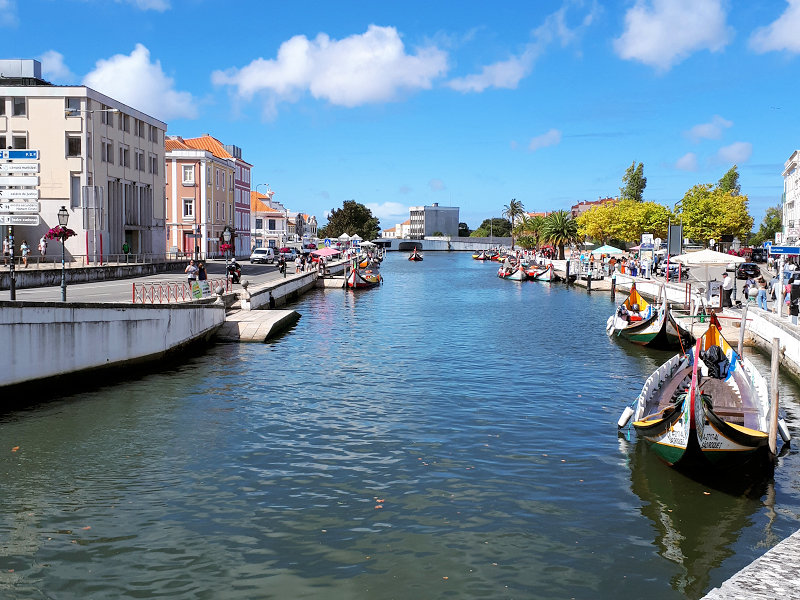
(449, 435)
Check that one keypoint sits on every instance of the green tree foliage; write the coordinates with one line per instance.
(709, 212)
(528, 231)
(634, 183)
(730, 182)
(599, 223)
(493, 227)
(560, 229)
(513, 211)
(771, 225)
(463, 230)
(353, 218)
(626, 221)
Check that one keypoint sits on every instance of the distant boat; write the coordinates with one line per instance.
(481, 255)
(363, 279)
(646, 324)
(416, 256)
(708, 407)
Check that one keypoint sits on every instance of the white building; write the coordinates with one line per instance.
(791, 199)
(429, 220)
(101, 159)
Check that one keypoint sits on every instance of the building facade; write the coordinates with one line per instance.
(269, 221)
(581, 207)
(200, 195)
(99, 158)
(428, 220)
(791, 199)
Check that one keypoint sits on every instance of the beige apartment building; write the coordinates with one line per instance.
(99, 158)
(200, 195)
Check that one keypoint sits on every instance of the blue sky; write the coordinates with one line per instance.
(468, 103)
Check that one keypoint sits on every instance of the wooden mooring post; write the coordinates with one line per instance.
(741, 331)
(773, 393)
(613, 286)
(567, 272)
(589, 282)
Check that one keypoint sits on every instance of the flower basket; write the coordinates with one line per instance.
(62, 234)
(225, 247)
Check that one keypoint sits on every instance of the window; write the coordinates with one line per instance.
(154, 164)
(153, 133)
(2, 107)
(188, 208)
(140, 160)
(89, 145)
(259, 223)
(124, 122)
(216, 179)
(74, 191)
(2, 142)
(271, 224)
(188, 174)
(223, 181)
(19, 142)
(106, 117)
(138, 128)
(19, 107)
(73, 145)
(72, 107)
(124, 156)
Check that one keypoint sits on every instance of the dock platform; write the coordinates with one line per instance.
(255, 325)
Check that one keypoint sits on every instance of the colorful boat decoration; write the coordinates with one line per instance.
(647, 324)
(547, 273)
(415, 256)
(708, 408)
(482, 255)
(363, 279)
(512, 273)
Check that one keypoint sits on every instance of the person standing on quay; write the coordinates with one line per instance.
(43, 246)
(201, 272)
(727, 290)
(191, 272)
(6, 250)
(297, 264)
(761, 297)
(25, 250)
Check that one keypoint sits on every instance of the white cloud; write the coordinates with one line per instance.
(709, 131)
(507, 74)
(781, 34)
(8, 13)
(54, 69)
(389, 212)
(367, 68)
(551, 138)
(736, 153)
(158, 5)
(437, 185)
(662, 33)
(141, 84)
(687, 162)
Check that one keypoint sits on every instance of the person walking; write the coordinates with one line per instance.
(761, 297)
(297, 264)
(25, 250)
(191, 272)
(201, 272)
(43, 246)
(727, 290)
(6, 250)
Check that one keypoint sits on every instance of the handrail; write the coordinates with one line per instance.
(170, 291)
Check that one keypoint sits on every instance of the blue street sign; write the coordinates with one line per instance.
(793, 250)
(327, 242)
(18, 154)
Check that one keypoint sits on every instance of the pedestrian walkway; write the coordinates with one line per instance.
(255, 325)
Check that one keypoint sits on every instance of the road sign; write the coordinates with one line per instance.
(19, 154)
(19, 194)
(26, 180)
(19, 207)
(327, 242)
(30, 167)
(795, 250)
(23, 220)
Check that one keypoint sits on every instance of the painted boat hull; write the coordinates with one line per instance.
(358, 280)
(516, 275)
(542, 274)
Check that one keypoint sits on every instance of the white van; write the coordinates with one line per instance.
(262, 255)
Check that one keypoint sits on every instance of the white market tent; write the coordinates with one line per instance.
(344, 238)
(706, 258)
(606, 249)
(356, 238)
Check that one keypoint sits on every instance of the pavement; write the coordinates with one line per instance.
(120, 290)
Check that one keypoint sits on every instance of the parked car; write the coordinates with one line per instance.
(311, 246)
(673, 270)
(759, 255)
(288, 253)
(747, 270)
(262, 255)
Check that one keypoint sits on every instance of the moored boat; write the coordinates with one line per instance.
(547, 273)
(706, 408)
(363, 278)
(646, 324)
(513, 273)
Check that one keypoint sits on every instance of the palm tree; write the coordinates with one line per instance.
(560, 229)
(513, 211)
(536, 229)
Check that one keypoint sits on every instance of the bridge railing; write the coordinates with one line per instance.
(170, 291)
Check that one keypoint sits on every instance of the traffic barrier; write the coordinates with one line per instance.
(171, 291)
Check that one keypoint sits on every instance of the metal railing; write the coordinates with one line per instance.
(171, 291)
(75, 261)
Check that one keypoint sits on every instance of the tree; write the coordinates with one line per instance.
(730, 182)
(771, 225)
(599, 223)
(495, 227)
(513, 211)
(463, 230)
(709, 213)
(528, 231)
(560, 229)
(353, 218)
(634, 183)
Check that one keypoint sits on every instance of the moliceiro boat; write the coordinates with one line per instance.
(647, 324)
(363, 278)
(415, 256)
(547, 273)
(513, 273)
(708, 408)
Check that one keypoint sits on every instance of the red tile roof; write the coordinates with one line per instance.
(209, 143)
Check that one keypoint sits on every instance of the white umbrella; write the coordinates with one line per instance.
(706, 258)
(356, 237)
(366, 244)
(344, 238)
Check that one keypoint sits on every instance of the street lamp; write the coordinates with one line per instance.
(63, 219)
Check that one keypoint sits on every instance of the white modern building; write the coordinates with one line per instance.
(99, 158)
(429, 220)
(791, 199)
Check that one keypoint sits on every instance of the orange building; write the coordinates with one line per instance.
(270, 226)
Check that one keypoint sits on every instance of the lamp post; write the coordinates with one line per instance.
(63, 219)
(226, 236)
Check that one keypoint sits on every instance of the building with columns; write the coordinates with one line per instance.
(99, 158)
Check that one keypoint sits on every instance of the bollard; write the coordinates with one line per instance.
(589, 283)
(567, 272)
(613, 286)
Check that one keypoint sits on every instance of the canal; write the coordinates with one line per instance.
(449, 435)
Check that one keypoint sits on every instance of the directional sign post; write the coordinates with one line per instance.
(792, 250)
(19, 207)
(19, 194)
(19, 154)
(23, 220)
(28, 167)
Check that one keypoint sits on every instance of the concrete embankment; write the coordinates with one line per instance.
(48, 339)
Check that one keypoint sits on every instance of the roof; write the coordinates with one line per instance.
(390, 229)
(210, 143)
(260, 203)
(175, 143)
